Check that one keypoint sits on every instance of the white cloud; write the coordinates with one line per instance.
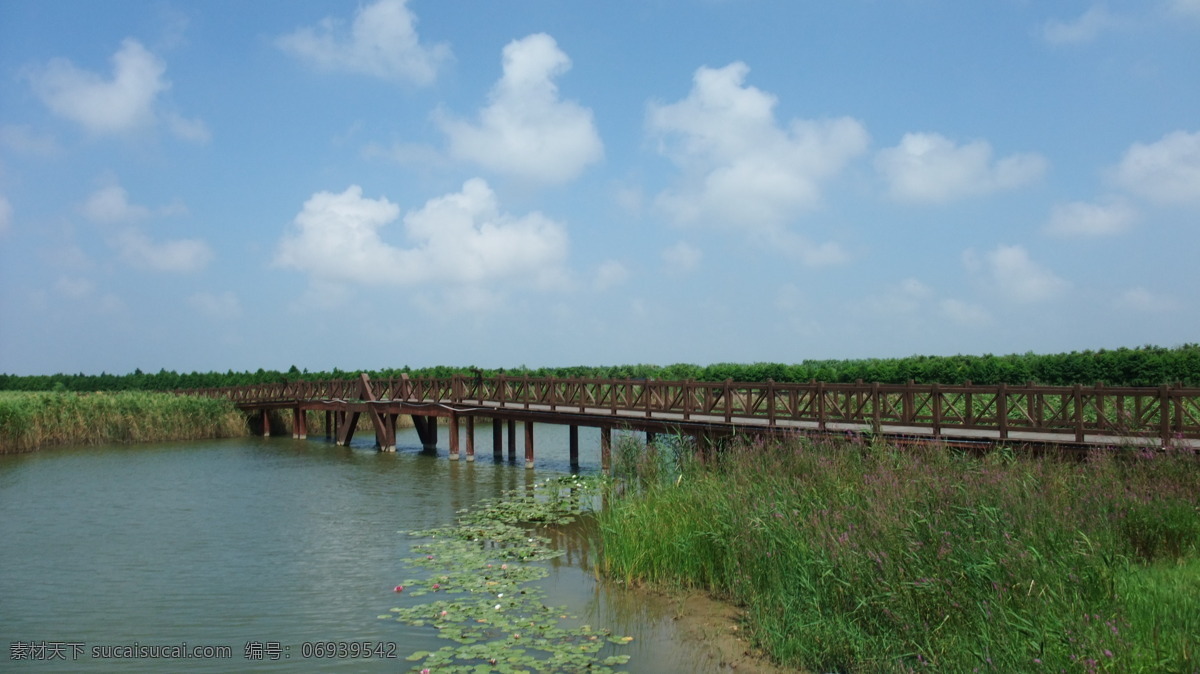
(610, 273)
(525, 130)
(120, 104)
(110, 204)
(928, 167)
(104, 106)
(1080, 218)
(224, 306)
(1167, 171)
(740, 168)
(180, 255)
(460, 238)
(382, 42)
(1141, 300)
(1009, 271)
(964, 313)
(1085, 28)
(6, 214)
(114, 105)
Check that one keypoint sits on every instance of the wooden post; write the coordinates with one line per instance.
(650, 435)
(453, 437)
(820, 405)
(605, 449)
(771, 403)
(936, 393)
(427, 431)
(1077, 399)
(1164, 415)
(470, 439)
(299, 427)
(908, 415)
(876, 404)
(266, 423)
(328, 425)
(512, 440)
(529, 444)
(1002, 410)
(497, 439)
(573, 443)
(389, 433)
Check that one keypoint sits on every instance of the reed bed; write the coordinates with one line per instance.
(864, 558)
(29, 421)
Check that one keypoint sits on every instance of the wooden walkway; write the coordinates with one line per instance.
(1087, 416)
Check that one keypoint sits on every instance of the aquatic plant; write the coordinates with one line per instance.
(32, 420)
(482, 570)
(867, 557)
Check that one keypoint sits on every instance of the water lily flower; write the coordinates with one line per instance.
(399, 588)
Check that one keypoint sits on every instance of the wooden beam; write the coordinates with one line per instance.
(470, 439)
(529, 444)
(605, 449)
(573, 442)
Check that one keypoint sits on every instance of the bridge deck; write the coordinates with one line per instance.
(961, 414)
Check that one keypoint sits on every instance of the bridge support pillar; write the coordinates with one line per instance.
(529, 444)
(427, 431)
(650, 436)
(470, 439)
(299, 423)
(453, 437)
(266, 423)
(605, 449)
(573, 442)
(497, 440)
(512, 440)
(386, 435)
(347, 424)
(328, 425)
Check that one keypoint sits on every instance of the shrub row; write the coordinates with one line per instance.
(1143, 366)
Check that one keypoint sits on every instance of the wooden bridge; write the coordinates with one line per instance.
(1080, 416)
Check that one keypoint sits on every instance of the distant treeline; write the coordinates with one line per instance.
(1142, 366)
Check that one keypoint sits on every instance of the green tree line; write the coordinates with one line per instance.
(1141, 366)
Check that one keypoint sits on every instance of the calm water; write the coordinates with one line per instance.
(271, 541)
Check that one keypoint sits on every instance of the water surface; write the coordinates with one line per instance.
(261, 546)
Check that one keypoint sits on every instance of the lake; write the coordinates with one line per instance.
(256, 547)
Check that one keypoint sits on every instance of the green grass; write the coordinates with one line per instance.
(29, 421)
(869, 558)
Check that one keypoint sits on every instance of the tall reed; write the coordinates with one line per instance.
(862, 558)
(29, 421)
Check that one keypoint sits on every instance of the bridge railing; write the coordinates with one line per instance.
(1164, 412)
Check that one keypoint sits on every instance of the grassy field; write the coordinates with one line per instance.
(29, 421)
(863, 558)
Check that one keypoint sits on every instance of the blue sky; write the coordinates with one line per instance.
(229, 185)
